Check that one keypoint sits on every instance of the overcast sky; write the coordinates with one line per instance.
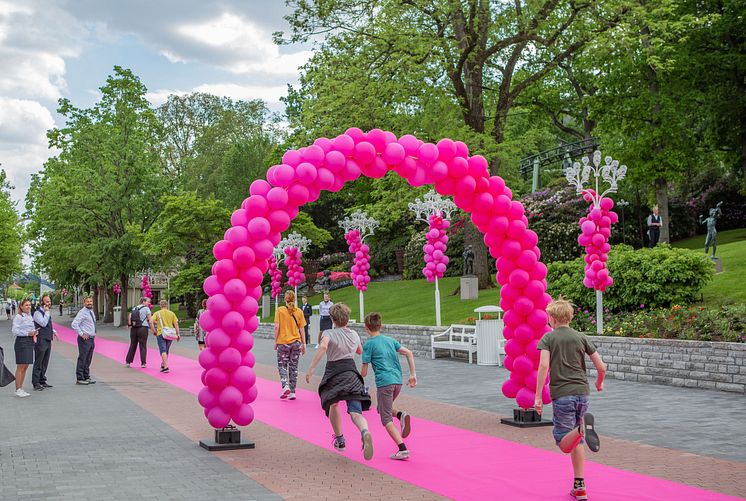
(65, 48)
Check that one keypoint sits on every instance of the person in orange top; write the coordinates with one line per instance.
(290, 343)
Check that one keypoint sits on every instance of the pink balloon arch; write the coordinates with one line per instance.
(243, 256)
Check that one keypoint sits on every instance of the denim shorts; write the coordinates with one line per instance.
(354, 406)
(163, 344)
(567, 413)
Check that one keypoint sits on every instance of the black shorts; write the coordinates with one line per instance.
(24, 348)
(325, 323)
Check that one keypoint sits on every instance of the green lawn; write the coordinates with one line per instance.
(730, 285)
(412, 301)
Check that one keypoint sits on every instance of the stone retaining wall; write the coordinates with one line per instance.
(690, 364)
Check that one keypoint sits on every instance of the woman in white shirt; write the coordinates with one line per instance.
(25, 333)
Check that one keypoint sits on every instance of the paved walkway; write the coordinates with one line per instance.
(442, 384)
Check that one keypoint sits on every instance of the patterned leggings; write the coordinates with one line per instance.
(287, 364)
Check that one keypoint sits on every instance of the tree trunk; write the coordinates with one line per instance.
(123, 279)
(473, 237)
(661, 199)
(109, 307)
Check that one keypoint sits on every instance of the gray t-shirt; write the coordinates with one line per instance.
(343, 343)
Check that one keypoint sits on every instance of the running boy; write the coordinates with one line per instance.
(563, 354)
(383, 352)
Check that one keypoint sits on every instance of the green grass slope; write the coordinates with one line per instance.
(730, 285)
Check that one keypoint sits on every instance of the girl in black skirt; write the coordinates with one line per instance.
(25, 333)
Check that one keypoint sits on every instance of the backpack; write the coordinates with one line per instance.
(136, 319)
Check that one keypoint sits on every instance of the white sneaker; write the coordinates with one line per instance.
(285, 393)
(291, 396)
(400, 455)
(21, 393)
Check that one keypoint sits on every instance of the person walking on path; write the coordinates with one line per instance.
(85, 325)
(43, 347)
(654, 227)
(13, 306)
(25, 333)
(166, 329)
(341, 380)
(62, 304)
(563, 354)
(325, 321)
(199, 333)
(382, 352)
(290, 343)
(7, 309)
(307, 313)
(140, 324)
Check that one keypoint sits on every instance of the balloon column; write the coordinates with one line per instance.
(357, 228)
(293, 247)
(145, 286)
(596, 226)
(116, 290)
(242, 257)
(275, 275)
(436, 212)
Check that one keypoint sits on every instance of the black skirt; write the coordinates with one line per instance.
(24, 348)
(325, 323)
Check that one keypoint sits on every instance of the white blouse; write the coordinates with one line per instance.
(22, 325)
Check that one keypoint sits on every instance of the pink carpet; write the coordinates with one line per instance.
(453, 462)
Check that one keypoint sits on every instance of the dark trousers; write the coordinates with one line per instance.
(655, 234)
(42, 352)
(308, 336)
(85, 356)
(138, 336)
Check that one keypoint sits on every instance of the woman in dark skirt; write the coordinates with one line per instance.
(25, 333)
(325, 320)
(341, 380)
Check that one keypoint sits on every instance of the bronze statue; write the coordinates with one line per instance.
(468, 256)
(711, 229)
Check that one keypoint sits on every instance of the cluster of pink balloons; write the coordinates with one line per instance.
(596, 229)
(293, 259)
(243, 255)
(145, 286)
(361, 262)
(275, 275)
(116, 289)
(436, 260)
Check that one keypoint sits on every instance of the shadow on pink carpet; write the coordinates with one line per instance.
(453, 462)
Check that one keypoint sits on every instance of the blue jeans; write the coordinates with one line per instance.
(163, 344)
(567, 413)
(354, 406)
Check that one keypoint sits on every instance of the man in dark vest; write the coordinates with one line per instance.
(654, 227)
(43, 346)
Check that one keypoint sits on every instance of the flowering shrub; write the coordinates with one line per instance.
(336, 276)
(658, 278)
(725, 323)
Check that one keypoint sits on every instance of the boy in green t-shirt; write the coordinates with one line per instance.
(383, 353)
(563, 354)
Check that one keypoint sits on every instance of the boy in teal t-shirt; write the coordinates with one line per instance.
(383, 353)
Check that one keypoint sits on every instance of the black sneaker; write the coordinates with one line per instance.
(38, 388)
(339, 443)
(591, 437)
(164, 370)
(45, 385)
(90, 381)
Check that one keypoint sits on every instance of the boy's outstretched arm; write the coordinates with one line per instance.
(601, 369)
(364, 370)
(410, 361)
(541, 378)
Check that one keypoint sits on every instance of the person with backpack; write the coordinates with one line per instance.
(290, 344)
(140, 323)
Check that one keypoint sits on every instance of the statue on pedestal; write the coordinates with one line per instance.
(468, 256)
(711, 229)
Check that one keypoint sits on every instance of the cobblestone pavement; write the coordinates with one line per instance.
(170, 421)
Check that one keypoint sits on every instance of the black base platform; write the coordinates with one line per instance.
(226, 439)
(525, 419)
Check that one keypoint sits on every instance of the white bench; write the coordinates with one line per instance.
(456, 338)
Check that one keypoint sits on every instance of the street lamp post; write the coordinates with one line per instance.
(366, 225)
(610, 173)
(432, 204)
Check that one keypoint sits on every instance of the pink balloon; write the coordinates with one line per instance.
(260, 187)
(234, 290)
(428, 153)
(514, 349)
(291, 157)
(243, 257)
(344, 144)
(510, 388)
(216, 378)
(244, 416)
(217, 339)
(364, 152)
(243, 377)
(207, 359)
(212, 285)
(217, 417)
(207, 398)
(257, 205)
(230, 398)
(229, 359)
(525, 398)
(239, 217)
(523, 365)
(410, 144)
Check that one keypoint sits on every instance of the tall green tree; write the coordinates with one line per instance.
(91, 205)
(11, 241)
